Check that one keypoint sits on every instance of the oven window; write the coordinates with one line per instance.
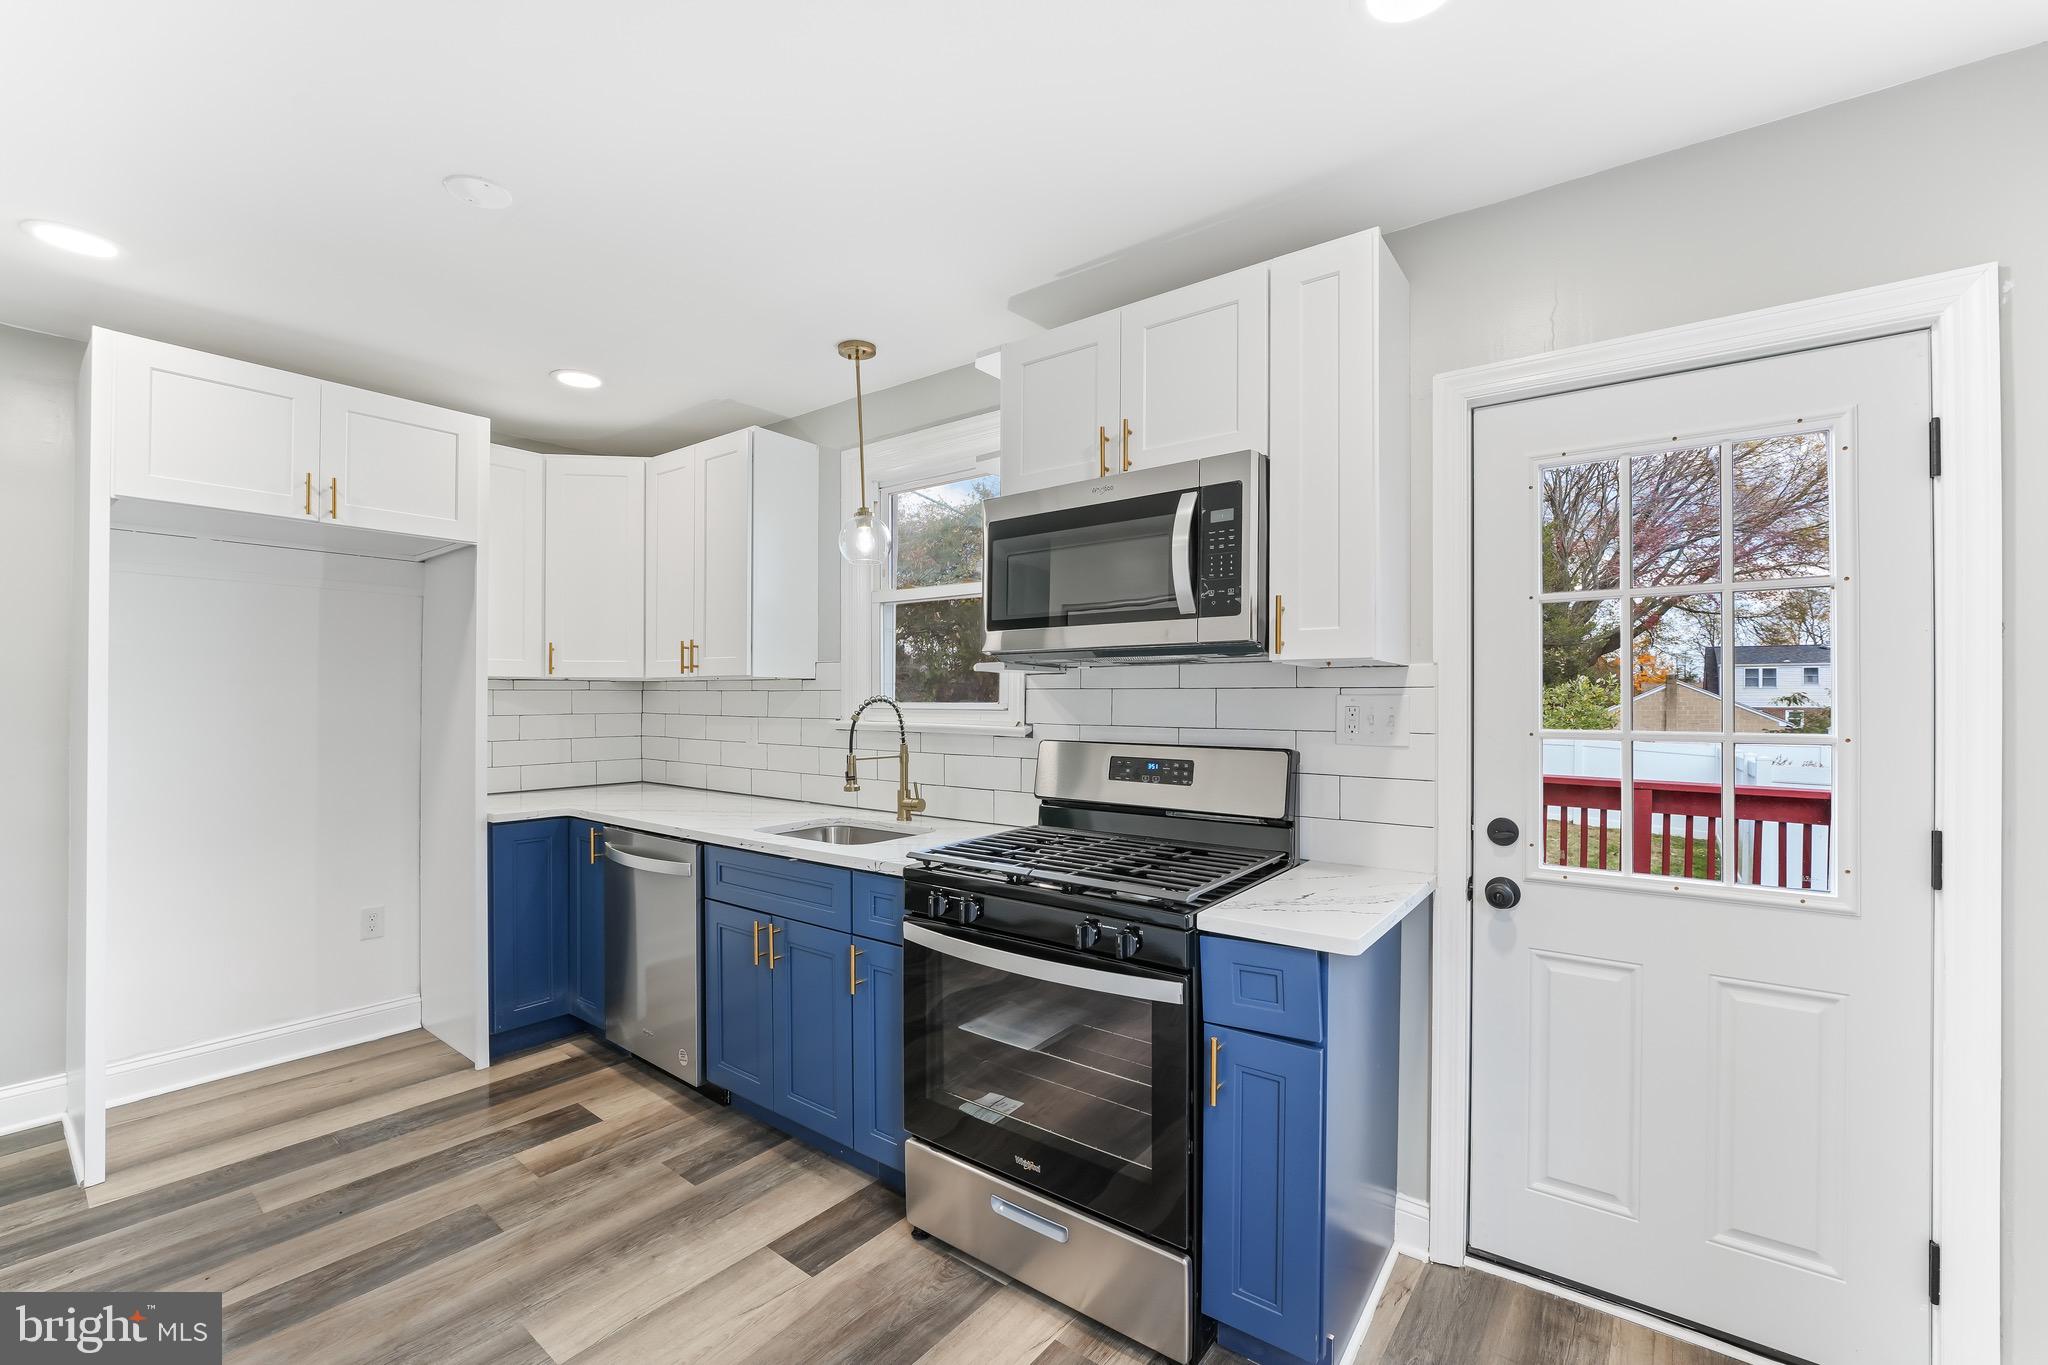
(1097, 565)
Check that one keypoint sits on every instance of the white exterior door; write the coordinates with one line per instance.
(196, 428)
(1194, 373)
(675, 560)
(596, 530)
(723, 623)
(390, 464)
(515, 623)
(1060, 405)
(1701, 1042)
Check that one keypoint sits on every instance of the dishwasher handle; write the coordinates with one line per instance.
(667, 867)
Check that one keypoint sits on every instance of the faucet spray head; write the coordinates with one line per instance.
(852, 775)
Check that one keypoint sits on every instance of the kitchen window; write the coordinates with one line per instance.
(914, 624)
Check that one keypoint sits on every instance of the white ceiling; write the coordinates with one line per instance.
(710, 194)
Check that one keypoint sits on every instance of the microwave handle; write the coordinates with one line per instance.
(1183, 558)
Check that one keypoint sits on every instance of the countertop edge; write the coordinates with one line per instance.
(1357, 929)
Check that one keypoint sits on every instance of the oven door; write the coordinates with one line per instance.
(1053, 1071)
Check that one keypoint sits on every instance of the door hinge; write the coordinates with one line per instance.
(1468, 888)
(1934, 1273)
(1934, 860)
(1934, 447)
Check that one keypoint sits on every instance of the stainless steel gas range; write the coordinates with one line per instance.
(1051, 1011)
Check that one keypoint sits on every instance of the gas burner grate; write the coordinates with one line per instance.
(1171, 873)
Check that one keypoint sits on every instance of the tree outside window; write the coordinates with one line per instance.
(930, 612)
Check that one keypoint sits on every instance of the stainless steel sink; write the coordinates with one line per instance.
(847, 832)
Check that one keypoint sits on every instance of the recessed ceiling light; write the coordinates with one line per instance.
(478, 192)
(75, 240)
(578, 379)
(1401, 11)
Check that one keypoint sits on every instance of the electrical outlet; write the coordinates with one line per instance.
(1372, 718)
(373, 922)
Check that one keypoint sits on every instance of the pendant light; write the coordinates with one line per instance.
(863, 540)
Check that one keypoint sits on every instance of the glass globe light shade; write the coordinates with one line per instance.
(863, 540)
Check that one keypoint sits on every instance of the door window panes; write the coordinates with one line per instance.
(1780, 507)
(1676, 804)
(1675, 517)
(1582, 803)
(1582, 665)
(1675, 645)
(1581, 526)
(1784, 816)
(1785, 648)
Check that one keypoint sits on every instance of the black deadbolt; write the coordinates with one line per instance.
(1503, 894)
(1502, 830)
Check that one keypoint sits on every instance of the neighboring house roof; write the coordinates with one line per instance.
(1766, 655)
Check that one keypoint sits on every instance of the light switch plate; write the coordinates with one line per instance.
(1376, 719)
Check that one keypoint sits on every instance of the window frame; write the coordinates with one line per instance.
(945, 453)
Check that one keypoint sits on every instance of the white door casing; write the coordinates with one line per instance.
(1060, 404)
(1193, 373)
(675, 560)
(391, 464)
(515, 621)
(596, 527)
(1712, 1100)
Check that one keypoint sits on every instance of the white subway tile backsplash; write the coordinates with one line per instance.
(1250, 673)
(618, 770)
(523, 702)
(1275, 708)
(503, 727)
(606, 699)
(1177, 706)
(744, 703)
(537, 776)
(729, 727)
(779, 730)
(976, 770)
(608, 747)
(788, 786)
(1073, 706)
(1388, 801)
(1131, 675)
(517, 753)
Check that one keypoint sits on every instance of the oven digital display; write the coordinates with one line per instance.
(1173, 772)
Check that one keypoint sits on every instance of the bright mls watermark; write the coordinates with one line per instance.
(170, 1329)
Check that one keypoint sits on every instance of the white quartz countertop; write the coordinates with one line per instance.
(1324, 907)
(732, 821)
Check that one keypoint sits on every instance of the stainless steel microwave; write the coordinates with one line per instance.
(1166, 563)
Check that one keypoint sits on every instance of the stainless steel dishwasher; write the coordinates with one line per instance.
(650, 950)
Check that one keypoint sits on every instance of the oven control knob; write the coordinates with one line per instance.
(1126, 941)
(970, 909)
(1085, 934)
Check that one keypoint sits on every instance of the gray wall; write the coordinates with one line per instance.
(1942, 173)
(38, 388)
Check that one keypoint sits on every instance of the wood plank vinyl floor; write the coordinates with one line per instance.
(387, 1205)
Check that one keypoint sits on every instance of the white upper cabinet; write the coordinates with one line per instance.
(675, 560)
(207, 431)
(1060, 396)
(732, 558)
(196, 428)
(1338, 462)
(596, 524)
(391, 464)
(1193, 373)
(515, 617)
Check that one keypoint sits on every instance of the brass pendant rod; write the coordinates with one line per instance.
(860, 430)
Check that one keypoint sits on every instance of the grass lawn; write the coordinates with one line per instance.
(1553, 852)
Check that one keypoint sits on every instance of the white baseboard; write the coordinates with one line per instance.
(32, 1103)
(29, 1103)
(1411, 1226)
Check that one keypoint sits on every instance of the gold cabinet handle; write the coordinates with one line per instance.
(693, 656)
(1279, 623)
(1215, 1074)
(772, 958)
(593, 843)
(309, 492)
(682, 656)
(334, 499)
(1102, 452)
(551, 658)
(853, 983)
(757, 943)
(1127, 445)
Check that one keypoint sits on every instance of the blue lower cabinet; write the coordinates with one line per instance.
(878, 1051)
(812, 973)
(586, 922)
(739, 1002)
(878, 907)
(1262, 1190)
(528, 921)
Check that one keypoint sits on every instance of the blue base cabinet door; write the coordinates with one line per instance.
(529, 921)
(739, 1003)
(586, 922)
(878, 1052)
(812, 971)
(1262, 1190)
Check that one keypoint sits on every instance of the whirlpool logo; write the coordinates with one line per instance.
(1028, 1164)
(165, 1328)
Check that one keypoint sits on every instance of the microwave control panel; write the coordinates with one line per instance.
(1219, 550)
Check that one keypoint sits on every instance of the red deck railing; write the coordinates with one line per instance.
(1587, 812)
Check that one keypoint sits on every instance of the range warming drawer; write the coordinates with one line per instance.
(1140, 1289)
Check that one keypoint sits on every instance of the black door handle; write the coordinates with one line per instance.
(1503, 894)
